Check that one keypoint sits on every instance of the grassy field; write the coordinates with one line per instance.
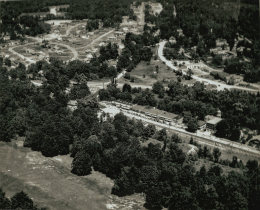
(150, 73)
(49, 182)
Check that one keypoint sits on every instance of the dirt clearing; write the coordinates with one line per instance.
(49, 182)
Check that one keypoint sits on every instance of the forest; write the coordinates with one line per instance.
(113, 146)
(163, 172)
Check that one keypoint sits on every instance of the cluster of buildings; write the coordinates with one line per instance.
(210, 122)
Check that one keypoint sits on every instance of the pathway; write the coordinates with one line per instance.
(220, 86)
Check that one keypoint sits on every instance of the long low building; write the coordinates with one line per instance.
(195, 65)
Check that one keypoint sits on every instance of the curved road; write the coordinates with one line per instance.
(220, 86)
(75, 53)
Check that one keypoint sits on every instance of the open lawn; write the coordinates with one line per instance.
(149, 71)
(49, 182)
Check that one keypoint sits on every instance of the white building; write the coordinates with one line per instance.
(195, 65)
(72, 105)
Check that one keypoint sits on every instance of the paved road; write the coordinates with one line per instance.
(220, 86)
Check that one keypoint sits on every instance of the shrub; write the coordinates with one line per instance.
(127, 75)
(132, 79)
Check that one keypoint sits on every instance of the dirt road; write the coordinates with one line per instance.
(220, 86)
(72, 27)
(93, 41)
(75, 53)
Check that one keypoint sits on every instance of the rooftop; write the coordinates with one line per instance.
(201, 123)
(214, 121)
(72, 103)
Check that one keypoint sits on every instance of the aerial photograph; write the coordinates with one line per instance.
(129, 105)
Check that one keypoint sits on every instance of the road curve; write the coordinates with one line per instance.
(220, 86)
(75, 53)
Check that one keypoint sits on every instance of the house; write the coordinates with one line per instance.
(6, 38)
(118, 33)
(194, 48)
(37, 82)
(90, 33)
(202, 125)
(172, 40)
(59, 39)
(72, 105)
(212, 122)
(57, 31)
(41, 73)
(244, 84)
(102, 44)
(125, 29)
(111, 37)
(180, 32)
(85, 37)
(195, 65)
(235, 78)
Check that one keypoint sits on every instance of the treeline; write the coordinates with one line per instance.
(18, 201)
(101, 9)
(25, 25)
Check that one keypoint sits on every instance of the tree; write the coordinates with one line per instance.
(4, 202)
(127, 88)
(154, 197)
(157, 69)
(127, 75)
(192, 125)
(175, 138)
(189, 73)
(223, 129)
(217, 59)
(157, 87)
(81, 164)
(235, 135)
(162, 135)
(7, 62)
(216, 154)
(21, 201)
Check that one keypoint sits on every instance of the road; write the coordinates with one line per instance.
(75, 53)
(220, 86)
(142, 14)
(72, 27)
(93, 41)
(11, 49)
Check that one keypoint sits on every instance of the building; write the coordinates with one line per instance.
(195, 65)
(212, 122)
(202, 125)
(118, 33)
(172, 40)
(72, 105)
